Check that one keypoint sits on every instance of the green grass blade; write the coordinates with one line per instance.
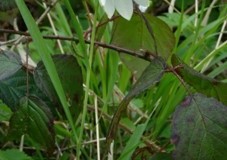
(45, 54)
(88, 79)
(133, 142)
(76, 26)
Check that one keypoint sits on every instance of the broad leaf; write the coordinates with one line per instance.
(149, 77)
(70, 75)
(200, 82)
(162, 156)
(13, 154)
(5, 112)
(10, 63)
(15, 87)
(34, 119)
(134, 35)
(200, 129)
(45, 54)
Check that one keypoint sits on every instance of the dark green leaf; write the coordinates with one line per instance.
(10, 63)
(34, 119)
(135, 36)
(200, 82)
(134, 64)
(200, 129)
(162, 156)
(151, 75)
(70, 75)
(7, 5)
(5, 112)
(15, 87)
(13, 154)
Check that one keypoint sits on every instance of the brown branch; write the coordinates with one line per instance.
(173, 69)
(100, 25)
(139, 54)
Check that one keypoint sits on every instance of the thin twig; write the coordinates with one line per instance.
(207, 15)
(84, 143)
(100, 25)
(221, 34)
(127, 129)
(120, 96)
(54, 28)
(169, 69)
(196, 12)
(97, 127)
(174, 8)
(39, 20)
(171, 6)
(190, 9)
(139, 54)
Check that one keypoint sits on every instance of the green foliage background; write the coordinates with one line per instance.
(83, 86)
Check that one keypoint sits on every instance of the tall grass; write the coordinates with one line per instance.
(107, 80)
